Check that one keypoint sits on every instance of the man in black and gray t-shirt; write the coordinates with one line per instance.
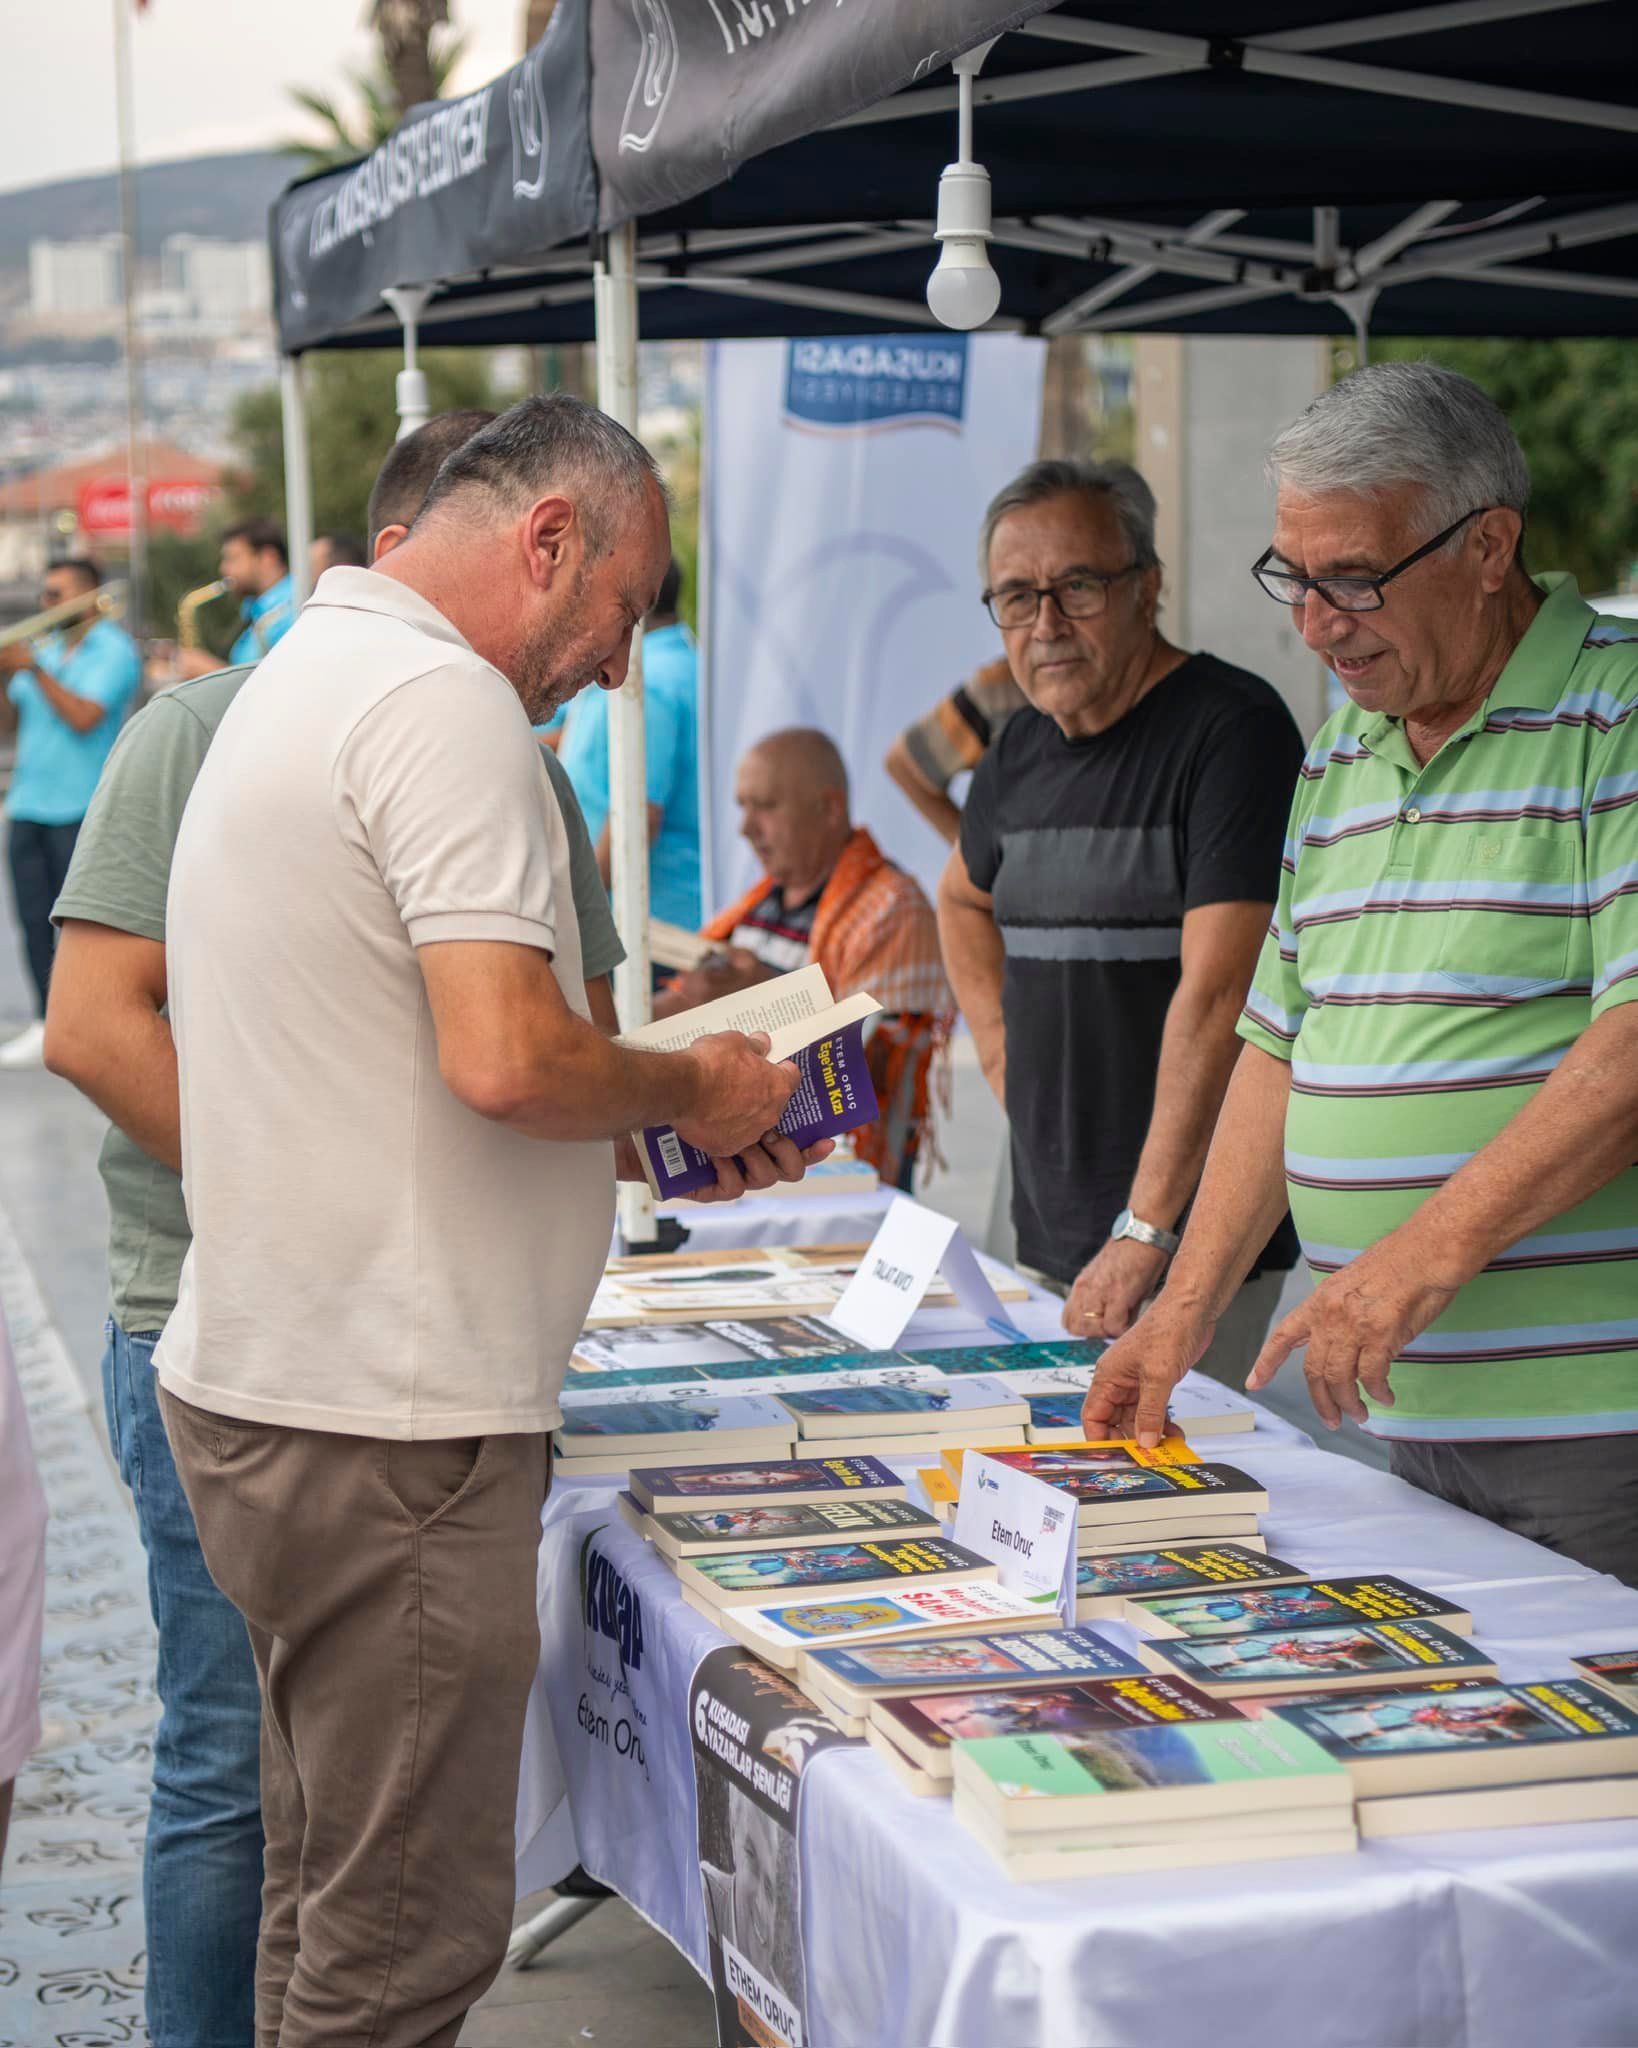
(1102, 913)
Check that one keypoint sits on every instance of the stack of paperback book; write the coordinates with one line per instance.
(1131, 1499)
(1110, 1800)
(1479, 1756)
(601, 1436)
(906, 1421)
(784, 1554)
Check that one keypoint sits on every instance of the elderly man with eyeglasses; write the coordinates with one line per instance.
(1442, 1035)
(1100, 917)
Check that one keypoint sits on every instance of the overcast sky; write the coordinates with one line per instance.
(210, 74)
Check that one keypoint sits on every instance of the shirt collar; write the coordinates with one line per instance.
(1535, 676)
(362, 590)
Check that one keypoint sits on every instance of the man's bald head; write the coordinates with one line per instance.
(793, 797)
(804, 755)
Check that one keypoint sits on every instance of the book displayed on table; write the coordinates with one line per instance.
(1615, 1670)
(778, 1630)
(1298, 1604)
(1412, 1742)
(964, 1405)
(718, 1347)
(1363, 1656)
(1054, 1356)
(846, 1680)
(711, 1532)
(1133, 1799)
(916, 1734)
(1200, 1407)
(804, 1024)
(687, 1428)
(1115, 1454)
(663, 1489)
(1118, 1582)
(742, 1578)
(1115, 1488)
(781, 1281)
(1562, 1800)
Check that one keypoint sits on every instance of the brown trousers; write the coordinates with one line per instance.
(389, 1590)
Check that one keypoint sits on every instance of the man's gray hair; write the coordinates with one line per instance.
(552, 444)
(1130, 498)
(1405, 423)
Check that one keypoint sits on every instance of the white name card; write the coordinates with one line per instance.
(1024, 1527)
(912, 1245)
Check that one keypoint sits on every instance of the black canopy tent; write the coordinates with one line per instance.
(770, 167)
(1464, 168)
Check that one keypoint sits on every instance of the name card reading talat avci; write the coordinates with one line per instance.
(911, 1246)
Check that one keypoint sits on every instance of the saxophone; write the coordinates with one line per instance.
(187, 612)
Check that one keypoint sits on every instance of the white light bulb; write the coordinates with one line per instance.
(963, 290)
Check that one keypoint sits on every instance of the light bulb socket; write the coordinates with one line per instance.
(963, 203)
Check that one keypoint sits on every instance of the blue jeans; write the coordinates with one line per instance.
(202, 1874)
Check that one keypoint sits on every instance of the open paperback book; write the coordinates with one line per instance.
(804, 1023)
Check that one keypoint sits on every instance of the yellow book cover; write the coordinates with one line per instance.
(1171, 1450)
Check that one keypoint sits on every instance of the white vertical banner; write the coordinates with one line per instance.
(848, 478)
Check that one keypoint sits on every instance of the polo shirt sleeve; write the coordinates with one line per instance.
(1612, 860)
(600, 948)
(440, 782)
(121, 868)
(1237, 807)
(1275, 1002)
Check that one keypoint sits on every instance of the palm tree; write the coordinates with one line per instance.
(415, 64)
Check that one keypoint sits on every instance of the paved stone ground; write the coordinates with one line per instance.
(70, 1915)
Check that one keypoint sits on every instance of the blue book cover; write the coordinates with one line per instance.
(996, 1357)
(688, 1415)
(982, 1395)
(953, 1662)
(834, 1093)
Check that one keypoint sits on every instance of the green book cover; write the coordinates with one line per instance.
(1135, 1760)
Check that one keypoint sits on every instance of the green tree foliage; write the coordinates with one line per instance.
(1574, 406)
(418, 57)
(352, 422)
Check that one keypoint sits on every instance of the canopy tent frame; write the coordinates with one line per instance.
(1157, 270)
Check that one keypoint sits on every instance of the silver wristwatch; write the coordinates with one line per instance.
(1128, 1225)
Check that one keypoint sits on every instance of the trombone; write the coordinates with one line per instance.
(107, 600)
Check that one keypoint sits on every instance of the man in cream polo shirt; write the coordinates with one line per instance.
(396, 1138)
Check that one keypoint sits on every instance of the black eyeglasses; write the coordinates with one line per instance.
(1348, 593)
(1077, 597)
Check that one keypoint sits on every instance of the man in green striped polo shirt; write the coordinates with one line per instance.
(1442, 1035)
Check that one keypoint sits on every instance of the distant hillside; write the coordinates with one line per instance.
(227, 196)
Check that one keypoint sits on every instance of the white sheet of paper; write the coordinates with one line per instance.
(1022, 1525)
(912, 1245)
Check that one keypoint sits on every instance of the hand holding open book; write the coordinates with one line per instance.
(813, 1045)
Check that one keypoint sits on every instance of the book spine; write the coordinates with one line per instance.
(833, 1094)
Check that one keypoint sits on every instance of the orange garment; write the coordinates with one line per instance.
(873, 929)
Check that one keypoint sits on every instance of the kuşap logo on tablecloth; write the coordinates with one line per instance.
(862, 384)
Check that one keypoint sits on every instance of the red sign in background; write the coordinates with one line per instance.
(177, 503)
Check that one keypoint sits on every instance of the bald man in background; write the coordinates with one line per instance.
(828, 895)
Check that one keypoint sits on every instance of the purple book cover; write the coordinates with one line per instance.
(833, 1095)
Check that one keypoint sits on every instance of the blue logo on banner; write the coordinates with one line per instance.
(877, 380)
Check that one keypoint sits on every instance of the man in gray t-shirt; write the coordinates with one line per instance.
(108, 1033)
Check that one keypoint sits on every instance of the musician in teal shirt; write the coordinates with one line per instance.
(71, 690)
(670, 686)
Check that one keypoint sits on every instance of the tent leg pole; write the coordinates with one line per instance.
(615, 308)
(298, 473)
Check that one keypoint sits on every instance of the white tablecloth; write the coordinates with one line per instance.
(1483, 1939)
